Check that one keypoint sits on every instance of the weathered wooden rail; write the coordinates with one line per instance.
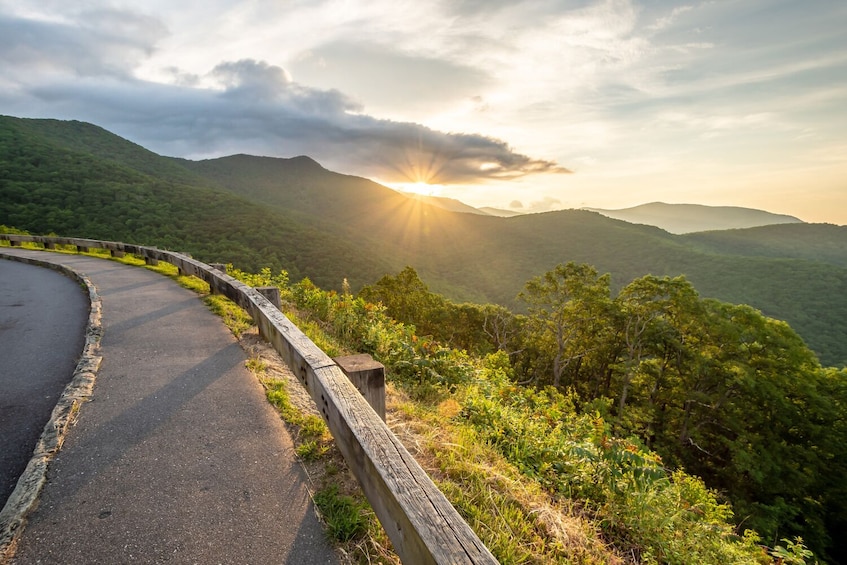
(422, 525)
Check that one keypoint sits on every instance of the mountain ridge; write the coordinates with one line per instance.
(690, 218)
(451, 204)
(491, 211)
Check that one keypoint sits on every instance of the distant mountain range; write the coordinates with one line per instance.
(76, 179)
(498, 212)
(689, 218)
(673, 218)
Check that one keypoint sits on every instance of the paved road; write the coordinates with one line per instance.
(178, 457)
(42, 319)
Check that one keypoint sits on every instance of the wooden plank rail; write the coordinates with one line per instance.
(421, 523)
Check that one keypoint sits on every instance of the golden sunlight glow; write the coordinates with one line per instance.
(411, 220)
(422, 188)
(411, 167)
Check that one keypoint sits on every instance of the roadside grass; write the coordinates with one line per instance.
(346, 517)
(351, 523)
(236, 319)
(513, 516)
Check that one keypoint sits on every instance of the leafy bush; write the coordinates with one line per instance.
(665, 517)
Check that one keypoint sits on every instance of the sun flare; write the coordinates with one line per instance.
(420, 187)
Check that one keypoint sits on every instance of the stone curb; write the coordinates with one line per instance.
(25, 496)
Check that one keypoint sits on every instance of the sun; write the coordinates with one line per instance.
(421, 188)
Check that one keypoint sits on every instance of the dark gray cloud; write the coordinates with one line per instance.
(252, 79)
(83, 71)
(83, 67)
(413, 153)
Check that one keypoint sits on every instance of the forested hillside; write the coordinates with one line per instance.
(87, 182)
(818, 242)
(717, 389)
(487, 259)
(76, 179)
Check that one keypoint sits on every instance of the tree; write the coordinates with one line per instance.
(405, 296)
(747, 411)
(568, 308)
(502, 327)
(653, 318)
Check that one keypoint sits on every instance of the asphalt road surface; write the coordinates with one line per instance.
(178, 457)
(42, 319)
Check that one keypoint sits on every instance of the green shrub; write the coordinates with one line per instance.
(664, 517)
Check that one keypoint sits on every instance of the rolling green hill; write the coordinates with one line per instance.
(86, 182)
(816, 242)
(77, 179)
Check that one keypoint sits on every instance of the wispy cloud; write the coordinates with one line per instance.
(665, 21)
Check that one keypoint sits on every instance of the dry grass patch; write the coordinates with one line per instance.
(513, 516)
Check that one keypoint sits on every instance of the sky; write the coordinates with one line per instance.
(522, 105)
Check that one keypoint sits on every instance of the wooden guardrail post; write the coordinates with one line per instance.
(368, 376)
(116, 253)
(272, 294)
(14, 243)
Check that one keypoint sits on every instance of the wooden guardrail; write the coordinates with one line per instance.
(422, 525)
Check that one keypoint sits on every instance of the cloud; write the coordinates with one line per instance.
(249, 74)
(389, 78)
(97, 43)
(250, 106)
(404, 152)
(667, 20)
(80, 63)
(544, 205)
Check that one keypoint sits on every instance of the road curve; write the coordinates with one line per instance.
(178, 457)
(42, 322)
